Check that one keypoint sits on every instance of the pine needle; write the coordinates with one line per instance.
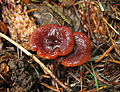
(110, 26)
(57, 11)
(105, 53)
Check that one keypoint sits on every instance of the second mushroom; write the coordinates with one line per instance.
(81, 52)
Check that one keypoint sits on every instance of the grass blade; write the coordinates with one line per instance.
(96, 82)
(101, 7)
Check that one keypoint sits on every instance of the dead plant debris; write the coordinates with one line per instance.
(98, 19)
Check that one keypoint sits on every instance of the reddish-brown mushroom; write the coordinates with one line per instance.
(52, 40)
(81, 52)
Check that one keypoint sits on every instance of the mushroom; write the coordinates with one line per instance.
(52, 40)
(81, 52)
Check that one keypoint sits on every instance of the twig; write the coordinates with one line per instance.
(115, 61)
(36, 60)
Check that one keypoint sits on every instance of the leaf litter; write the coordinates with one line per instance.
(99, 20)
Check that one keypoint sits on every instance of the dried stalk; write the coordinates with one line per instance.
(36, 60)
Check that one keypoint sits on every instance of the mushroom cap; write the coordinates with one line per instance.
(81, 52)
(52, 40)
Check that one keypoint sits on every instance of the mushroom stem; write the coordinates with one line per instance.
(36, 60)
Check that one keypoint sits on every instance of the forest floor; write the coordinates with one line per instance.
(22, 70)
